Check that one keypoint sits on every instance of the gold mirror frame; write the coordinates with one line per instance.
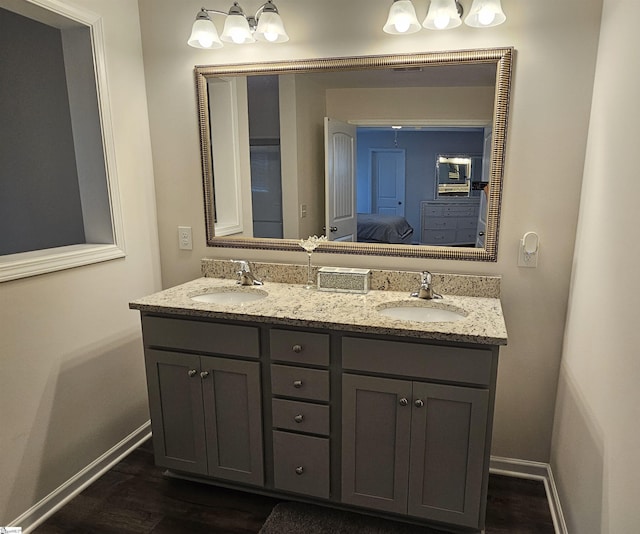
(501, 57)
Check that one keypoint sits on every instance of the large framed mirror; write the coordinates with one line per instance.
(357, 148)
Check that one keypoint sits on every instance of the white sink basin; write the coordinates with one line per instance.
(232, 295)
(421, 312)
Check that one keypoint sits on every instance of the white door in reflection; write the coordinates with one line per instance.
(387, 181)
(340, 180)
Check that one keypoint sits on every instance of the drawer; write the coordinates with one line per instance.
(299, 347)
(419, 360)
(461, 211)
(301, 416)
(467, 223)
(466, 236)
(440, 223)
(433, 210)
(298, 382)
(434, 237)
(301, 464)
(201, 336)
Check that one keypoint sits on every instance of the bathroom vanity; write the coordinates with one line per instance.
(319, 397)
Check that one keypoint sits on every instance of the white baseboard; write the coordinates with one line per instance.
(40, 511)
(536, 471)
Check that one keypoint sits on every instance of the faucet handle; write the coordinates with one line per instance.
(247, 277)
(426, 277)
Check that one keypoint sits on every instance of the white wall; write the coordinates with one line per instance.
(71, 366)
(553, 77)
(596, 441)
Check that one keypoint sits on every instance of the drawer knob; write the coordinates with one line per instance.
(299, 470)
(298, 418)
(192, 373)
(297, 384)
(403, 401)
(419, 403)
(204, 374)
(297, 349)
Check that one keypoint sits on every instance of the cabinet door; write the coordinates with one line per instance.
(175, 403)
(233, 419)
(376, 417)
(448, 430)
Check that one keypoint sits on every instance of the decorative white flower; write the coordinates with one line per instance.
(312, 242)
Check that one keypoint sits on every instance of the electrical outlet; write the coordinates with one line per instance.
(528, 250)
(184, 238)
(303, 211)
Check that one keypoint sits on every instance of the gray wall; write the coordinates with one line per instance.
(40, 204)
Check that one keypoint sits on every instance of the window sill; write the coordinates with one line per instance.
(25, 264)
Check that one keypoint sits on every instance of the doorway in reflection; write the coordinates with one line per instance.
(264, 155)
(408, 177)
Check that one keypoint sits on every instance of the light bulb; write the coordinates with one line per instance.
(205, 40)
(486, 16)
(441, 21)
(402, 25)
(270, 36)
(237, 37)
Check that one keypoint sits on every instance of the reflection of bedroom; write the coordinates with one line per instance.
(397, 185)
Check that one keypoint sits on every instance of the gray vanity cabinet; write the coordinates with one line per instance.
(177, 411)
(206, 411)
(427, 460)
(391, 425)
(448, 430)
(413, 445)
(376, 426)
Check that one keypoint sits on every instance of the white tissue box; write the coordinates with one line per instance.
(343, 279)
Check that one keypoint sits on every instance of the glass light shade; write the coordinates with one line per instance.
(204, 34)
(442, 15)
(485, 13)
(270, 28)
(236, 30)
(402, 18)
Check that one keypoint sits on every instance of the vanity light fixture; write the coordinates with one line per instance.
(443, 15)
(266, 25)
(402, 18)
(485, 13)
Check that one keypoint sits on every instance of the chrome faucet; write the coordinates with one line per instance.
(246, 276)
(426, 291)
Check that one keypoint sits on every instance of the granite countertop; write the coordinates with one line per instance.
(291, 304)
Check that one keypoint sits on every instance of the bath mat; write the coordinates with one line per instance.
(298, 518)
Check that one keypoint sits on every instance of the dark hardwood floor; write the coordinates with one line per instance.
(134, 497)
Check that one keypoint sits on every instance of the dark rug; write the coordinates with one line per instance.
(298, 518)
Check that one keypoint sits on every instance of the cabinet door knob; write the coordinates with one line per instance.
(403, 401)
(297, 349)
(192, 372)
(419, 403)
(204, 374)
(299, 470)
(298, 418)
(297, 384)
